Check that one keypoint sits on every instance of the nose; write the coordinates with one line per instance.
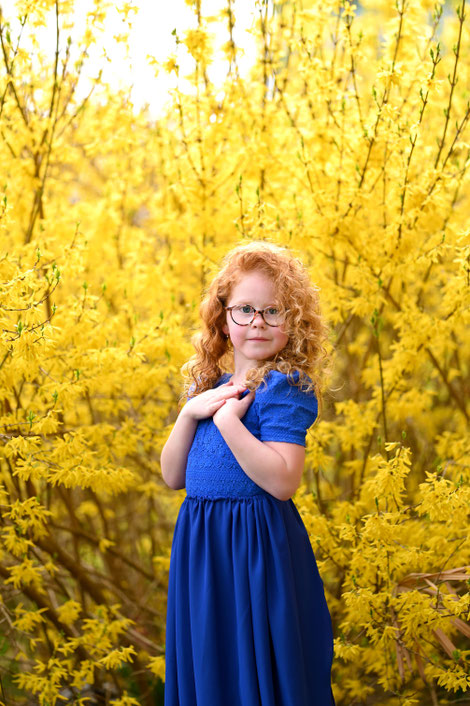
(261, 320)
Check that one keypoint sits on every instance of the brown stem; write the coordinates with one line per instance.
(79, 532)
(461, 16)
(460, 403)
(9, 70)
(383, 102)
(353, 72)
(39, 599)
(435, 60)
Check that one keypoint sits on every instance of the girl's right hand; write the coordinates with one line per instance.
(208, 402)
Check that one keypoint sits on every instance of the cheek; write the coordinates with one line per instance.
(235, 332)
(237, 335)
(281, 339)
(282, 330)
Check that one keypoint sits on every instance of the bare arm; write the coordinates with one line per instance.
(174, 454)
(275, 466)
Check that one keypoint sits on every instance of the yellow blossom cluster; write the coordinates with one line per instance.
(348, 141)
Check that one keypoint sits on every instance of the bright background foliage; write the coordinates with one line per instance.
(348, 141)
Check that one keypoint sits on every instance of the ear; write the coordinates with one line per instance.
(225, 329)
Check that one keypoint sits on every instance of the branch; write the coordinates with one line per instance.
(453, 82)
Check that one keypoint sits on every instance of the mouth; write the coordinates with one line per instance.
(257, 339)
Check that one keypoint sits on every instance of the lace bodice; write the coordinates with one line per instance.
(279, 412)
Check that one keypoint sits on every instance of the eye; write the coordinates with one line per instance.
(245, 308)
(272, 310)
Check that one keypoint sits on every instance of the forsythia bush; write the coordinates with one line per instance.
(348, 141)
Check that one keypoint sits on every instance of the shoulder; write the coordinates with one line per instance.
(284, 389)
(282, 383)
(286, 410)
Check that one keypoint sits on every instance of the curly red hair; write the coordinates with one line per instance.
(307, 331)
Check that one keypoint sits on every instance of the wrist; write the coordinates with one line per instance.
(224, 418)
(186, 413)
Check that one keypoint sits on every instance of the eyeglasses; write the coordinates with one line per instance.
(244, 314)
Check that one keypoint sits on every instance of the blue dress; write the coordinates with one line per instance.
(247, 621)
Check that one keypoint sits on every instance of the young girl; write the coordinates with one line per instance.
(247, 621)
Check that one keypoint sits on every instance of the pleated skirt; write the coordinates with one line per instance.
(247, 620)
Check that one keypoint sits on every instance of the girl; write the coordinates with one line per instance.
(247, 621)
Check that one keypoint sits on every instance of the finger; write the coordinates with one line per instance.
(234, 390)
(222, 389)
(234, 385)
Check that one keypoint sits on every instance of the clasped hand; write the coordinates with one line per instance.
(220, 401)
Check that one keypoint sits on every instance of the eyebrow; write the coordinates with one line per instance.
(248, 304)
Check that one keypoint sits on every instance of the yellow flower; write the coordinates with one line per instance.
(198, 44)
(116, 657)
(157, 666)
(69, 611)
(27, 620)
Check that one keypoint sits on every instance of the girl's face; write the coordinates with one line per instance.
(257, 341)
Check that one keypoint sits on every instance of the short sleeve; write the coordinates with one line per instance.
(285, 410)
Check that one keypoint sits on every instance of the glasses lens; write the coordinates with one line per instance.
(243, 315)
(273, 316)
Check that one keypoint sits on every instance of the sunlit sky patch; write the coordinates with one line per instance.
(150, 41)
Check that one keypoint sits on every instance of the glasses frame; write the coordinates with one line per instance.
(255, 311)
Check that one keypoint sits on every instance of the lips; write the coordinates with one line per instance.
(257, 339)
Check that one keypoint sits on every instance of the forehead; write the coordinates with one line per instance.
(253, 287)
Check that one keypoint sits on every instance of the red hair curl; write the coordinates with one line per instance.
(307, 331)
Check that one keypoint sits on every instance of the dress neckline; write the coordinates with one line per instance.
(228, 376)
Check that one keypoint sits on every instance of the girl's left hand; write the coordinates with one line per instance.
(234, 407)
